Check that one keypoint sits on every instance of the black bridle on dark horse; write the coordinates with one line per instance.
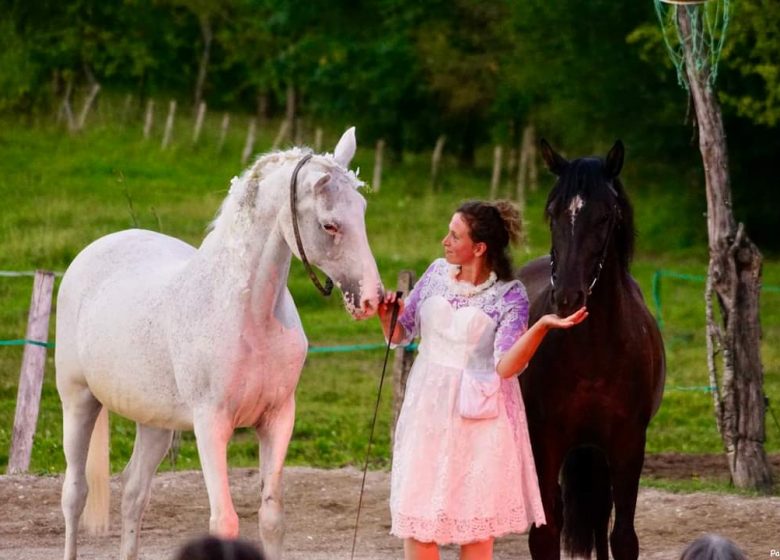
(328, 288)
(612, 220)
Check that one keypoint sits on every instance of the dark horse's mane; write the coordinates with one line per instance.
(586, 176)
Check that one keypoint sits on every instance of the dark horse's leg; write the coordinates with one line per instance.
(626, 459)
(545, 542)
(600, 530)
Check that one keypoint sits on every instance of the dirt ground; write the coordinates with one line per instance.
(321, 506)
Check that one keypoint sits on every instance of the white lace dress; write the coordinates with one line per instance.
(456, 479)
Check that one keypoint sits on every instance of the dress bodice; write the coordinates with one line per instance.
(463, 325)
(456, 337)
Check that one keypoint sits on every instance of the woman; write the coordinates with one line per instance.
(463, 470)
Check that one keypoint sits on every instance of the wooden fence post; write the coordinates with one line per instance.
(28, 398)
(65, 109)
(299, 132)
(249, 145)
(402, 362)
(199, 122)
(88, 102)
(376, 181)
(223, 132)
(318, 139)
(527, 174)
(127, 109)
(495, 178)
(291, 116)
(526, 170)
(149, 118)
(511, 162)
(283, 129)
(169, 124)
(436, 159)
(533, 174)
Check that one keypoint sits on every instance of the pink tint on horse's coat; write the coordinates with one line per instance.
(207, 339)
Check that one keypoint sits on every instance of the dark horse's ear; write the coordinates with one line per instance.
(554, 161)
(614, 162)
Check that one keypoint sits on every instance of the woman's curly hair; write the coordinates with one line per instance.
(496, 224)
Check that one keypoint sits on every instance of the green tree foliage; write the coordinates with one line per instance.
(752, 51)
(408, 71)
(749, 89)
(748, 86)
(577, 75)
(15, 87)
(134, 45)
(461, 46)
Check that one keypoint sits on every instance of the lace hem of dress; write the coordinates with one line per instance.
(446, 530)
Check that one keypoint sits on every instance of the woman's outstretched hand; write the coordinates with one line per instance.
(552, 321)
(518, 356)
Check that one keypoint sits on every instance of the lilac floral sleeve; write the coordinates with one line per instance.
(513, 320)
(410, 317)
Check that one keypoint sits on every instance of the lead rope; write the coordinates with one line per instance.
(393, 319)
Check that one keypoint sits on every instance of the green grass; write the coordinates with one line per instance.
(696, 485)
(60, 192)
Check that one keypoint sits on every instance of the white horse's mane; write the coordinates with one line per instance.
(266, 164)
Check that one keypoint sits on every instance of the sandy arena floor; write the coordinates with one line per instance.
(321, 506)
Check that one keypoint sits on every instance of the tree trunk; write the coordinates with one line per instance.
(208, 35)
(734, 276)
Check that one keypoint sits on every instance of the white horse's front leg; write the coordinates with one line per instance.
(212, 433)
(274, 433)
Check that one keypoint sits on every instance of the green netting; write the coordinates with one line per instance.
(709, 22)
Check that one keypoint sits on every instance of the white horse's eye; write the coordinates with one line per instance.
(331, 228)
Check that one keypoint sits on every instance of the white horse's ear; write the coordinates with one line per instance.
(345, 149)
(320, 183)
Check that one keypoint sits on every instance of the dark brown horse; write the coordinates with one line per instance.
(590, 391)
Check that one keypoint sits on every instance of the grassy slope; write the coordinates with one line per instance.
(61, 192)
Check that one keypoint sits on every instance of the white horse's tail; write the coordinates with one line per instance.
(95, 516)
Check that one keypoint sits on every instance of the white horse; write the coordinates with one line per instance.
(208, 339)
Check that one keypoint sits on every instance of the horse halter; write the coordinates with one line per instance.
(328, 288)
(600, 266)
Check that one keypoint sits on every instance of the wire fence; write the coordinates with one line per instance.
(657, 299)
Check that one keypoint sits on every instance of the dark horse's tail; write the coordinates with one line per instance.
(587, 500)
